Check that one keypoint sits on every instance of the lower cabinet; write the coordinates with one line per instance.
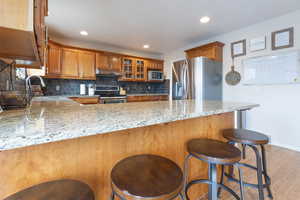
(86, 100)
(147, 98)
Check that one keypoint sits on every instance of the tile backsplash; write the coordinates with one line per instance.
(72, 87)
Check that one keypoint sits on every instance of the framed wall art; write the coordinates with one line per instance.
(283, 39)
(257, 44)
(238, 48)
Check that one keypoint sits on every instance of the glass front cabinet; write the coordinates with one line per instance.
(140, 70)
(128, 69)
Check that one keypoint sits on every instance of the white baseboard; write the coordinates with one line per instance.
(291, 147)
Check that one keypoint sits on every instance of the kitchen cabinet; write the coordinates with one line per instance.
(108, 62)
(155, 65)
(54, 60)
(147, 98)
(68, 62)
(102, 61)
(128, 69)
(212, 51)
(115, 62)
(70, 65)
(23, 34)
(86, 100)
(86, 64)
(140, 70)
(136, 69)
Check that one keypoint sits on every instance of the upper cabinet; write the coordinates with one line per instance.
(76, 63)
(155, 65)
(54, 60)
(86, 63)
(108, 61)
(23, 34)
(70, 63)
(128, 69)
(212, 51)
(140, 70)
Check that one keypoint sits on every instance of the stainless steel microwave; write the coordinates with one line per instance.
(155, 75)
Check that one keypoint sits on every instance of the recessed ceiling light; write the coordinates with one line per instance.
(146, 46)
(204, 20)
(84, 33)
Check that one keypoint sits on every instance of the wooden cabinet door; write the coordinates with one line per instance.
(69, 66)
(54, 60)
(128, 69)
(102, 61)
(140, 70)
(115, 62)
(86, 63)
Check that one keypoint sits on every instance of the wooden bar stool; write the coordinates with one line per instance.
(55, 190)
(214, 153)
(146, 177)
(252, 139)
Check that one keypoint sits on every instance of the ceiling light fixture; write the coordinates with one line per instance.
(84, 33)
(146, 46)
(204, 20)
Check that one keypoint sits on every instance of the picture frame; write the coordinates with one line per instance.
(238, 48)
(283, 39)
(258, 44)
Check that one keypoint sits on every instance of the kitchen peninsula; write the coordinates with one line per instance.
(57, 138)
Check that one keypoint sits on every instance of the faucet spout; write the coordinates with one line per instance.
(28, 86)
(28, 81)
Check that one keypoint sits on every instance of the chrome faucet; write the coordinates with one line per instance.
(28, 86)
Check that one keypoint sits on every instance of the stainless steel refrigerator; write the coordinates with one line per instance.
(198, 78)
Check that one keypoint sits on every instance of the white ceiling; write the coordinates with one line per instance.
(165, 25)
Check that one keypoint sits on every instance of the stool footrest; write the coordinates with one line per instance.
(206, 181)
(231, 178)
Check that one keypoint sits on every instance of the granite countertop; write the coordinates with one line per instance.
(56, 118)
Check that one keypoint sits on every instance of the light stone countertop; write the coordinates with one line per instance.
(57, 118)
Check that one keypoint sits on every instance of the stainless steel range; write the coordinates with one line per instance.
(109, 94)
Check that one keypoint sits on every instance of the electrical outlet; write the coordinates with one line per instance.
(57, 87)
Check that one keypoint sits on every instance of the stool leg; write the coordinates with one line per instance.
(259, 173)
(213, 187)
(244, 151)
(112, 196)
(181, 196)
(241, 181)
(266, 176)
(186, 173)
(222, 180)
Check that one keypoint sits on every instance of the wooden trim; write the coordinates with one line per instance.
(219, 44)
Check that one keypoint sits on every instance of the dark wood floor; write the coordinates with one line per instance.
(284, 169)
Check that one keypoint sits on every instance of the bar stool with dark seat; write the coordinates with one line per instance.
(214, 153)
(146, 177)
(58, 190)
(252, 139)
